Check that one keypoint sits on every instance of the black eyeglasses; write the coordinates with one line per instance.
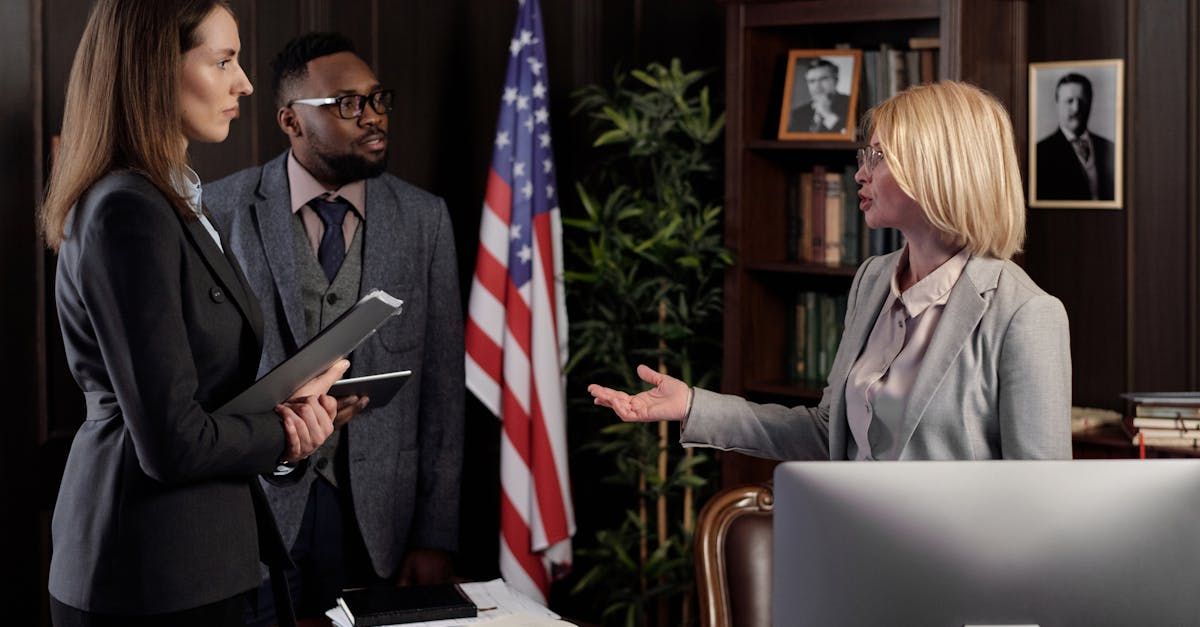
(351, 106)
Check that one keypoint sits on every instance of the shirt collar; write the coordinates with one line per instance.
(187, 184)
(934, 289)
(304, 187)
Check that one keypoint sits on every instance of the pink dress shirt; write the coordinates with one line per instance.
(304, 188)
(880, 381)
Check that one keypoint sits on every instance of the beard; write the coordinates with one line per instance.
(347, 168)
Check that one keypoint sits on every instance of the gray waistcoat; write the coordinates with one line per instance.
(323, 303)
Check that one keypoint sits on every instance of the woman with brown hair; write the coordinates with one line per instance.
(156, 520)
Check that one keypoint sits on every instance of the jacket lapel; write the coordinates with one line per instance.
(225, 272)
(381, 241)
(874, 291)
(961, 316)
(273, 215)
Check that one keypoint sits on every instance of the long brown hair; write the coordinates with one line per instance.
(122, 108)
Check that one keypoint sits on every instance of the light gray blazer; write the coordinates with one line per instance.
(405, 457)
(995, 382)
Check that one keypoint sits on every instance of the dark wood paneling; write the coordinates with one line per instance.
(1158, 216)
(1080, 255)
(18, 283)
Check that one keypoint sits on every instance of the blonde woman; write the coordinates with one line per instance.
(950, 350)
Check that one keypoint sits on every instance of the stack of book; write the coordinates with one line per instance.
(824, 224)
(890, 70)
(1167, 419)
(817, 320)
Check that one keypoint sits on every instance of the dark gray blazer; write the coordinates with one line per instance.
(1060, 176)
(155, 512)
(995, 381)
(405, 457)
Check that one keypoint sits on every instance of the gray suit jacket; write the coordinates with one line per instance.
(995, 381)
(405, 457)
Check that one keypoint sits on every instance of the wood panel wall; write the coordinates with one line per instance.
(446, 61)
(1128, 278)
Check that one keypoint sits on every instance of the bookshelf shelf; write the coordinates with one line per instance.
(771, 216)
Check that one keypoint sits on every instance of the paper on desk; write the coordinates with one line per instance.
(495, 600)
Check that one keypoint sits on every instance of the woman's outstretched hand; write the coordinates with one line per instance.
(667, 400)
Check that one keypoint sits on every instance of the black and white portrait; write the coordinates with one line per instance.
(1075, 133)
(820, 94)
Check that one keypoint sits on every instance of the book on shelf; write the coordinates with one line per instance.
(835, 207)
(851, 217)
(1170, 442)
(1158, 433)
(818, 321)
(817, 233)
(1165, 399)
(1186, 424)
(793, 217)
(890, 70)
(806, 216)
(1166, 411)
(924, 43)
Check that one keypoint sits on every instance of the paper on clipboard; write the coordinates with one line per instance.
(334, 342)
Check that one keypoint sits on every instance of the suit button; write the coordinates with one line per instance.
(322, 463)
(331, 298)
(217, 295)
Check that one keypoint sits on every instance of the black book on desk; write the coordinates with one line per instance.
(387, 605)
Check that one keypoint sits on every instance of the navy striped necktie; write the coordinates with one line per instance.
(332, 249)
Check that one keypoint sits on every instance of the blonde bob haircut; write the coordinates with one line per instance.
(949, 145)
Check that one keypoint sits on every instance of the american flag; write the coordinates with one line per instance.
(516, 334)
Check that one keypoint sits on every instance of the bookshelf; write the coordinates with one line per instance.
(982, 41)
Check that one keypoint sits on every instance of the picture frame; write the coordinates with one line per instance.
(1076, 160)
(830, 75)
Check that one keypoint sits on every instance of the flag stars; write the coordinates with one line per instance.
(526, 38)
(549, 191)
(510, 95)
(525, 254)
(514, 231)
(502, 139)
(547, 165)
(514, 47)
(539, 90)
(541, 115)
(522, 103)
(535, 66)
(544, 139)
(518, 169)
(528, 124)
(527, 190)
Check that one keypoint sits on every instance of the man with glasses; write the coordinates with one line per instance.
(827, 110)
(314, 229)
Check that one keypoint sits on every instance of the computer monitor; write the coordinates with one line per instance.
(1048, 543)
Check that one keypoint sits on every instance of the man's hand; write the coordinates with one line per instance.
(349, 407)
(422, 567)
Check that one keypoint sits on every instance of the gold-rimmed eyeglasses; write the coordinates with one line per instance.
(351, 106)
(869, 156)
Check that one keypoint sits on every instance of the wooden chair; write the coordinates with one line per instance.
(733, 558)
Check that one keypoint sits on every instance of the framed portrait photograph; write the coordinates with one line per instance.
(1076, 140)
(820, 94)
